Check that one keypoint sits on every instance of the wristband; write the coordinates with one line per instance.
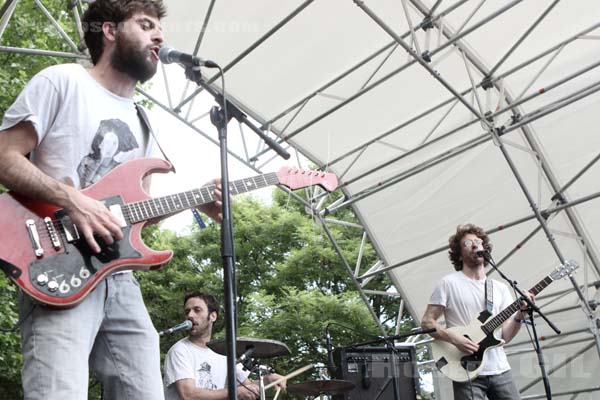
(521, 321)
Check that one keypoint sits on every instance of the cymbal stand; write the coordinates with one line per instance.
(261, 371)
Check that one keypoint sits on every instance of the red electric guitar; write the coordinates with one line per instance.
(42, 252)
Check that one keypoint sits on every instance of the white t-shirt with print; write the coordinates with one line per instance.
(83, 129)
(463, 299)
(186, 360)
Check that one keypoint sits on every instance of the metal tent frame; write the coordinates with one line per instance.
(489, 110)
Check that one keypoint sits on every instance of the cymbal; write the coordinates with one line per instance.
(265, 348)
(315, 388)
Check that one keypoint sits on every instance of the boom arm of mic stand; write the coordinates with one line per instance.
(233, 111)
(384, 339)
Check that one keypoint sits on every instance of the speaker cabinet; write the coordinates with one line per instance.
(370, 369)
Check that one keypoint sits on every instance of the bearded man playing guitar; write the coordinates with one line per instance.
(77, 124)
(460, 297)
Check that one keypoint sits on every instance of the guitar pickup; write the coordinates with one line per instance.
(117, 211)
(34, 237)
(71, 232)
(441, 363)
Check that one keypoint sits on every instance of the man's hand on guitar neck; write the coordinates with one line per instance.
(92, 217)
(511, 327)
(213, 209)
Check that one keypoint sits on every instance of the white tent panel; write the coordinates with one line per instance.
(392, 111)
(415, 160)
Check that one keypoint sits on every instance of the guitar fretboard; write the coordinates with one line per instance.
(167, 205)
(505, 314)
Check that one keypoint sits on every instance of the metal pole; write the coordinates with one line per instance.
(557, 367)
(550, 346)
(351, 275)
(37, 52)
(547, 211)
(549, 337)
(464, 92)
(416, 58)
(523, 37)
(6, 12)
(577, 391)
(57, 26)
(549, 236)
(465, 146)
(358, 65)
(243, 54)
(510, 107)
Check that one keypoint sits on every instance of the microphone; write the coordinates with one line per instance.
(247, 354)
(482, 253)
(184, 326)
(169, 55)
(330, 364)
(246, 358)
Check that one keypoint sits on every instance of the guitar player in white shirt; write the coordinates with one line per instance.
(460, 297)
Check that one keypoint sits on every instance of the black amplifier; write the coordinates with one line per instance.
(370, 369)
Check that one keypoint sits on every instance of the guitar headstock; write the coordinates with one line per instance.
(296, 178)
(564, 270)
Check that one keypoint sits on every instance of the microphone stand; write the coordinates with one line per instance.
(219, 117)
(530, 309)
(393, 338)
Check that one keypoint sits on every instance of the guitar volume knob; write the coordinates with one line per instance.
(41, 279)
(53, 286)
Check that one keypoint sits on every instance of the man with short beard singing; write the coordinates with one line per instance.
(195, 372)
(76, 125)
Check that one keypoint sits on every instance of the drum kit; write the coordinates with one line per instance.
(264, 348)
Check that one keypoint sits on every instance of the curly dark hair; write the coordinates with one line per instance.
(211, 302)
(455, 243)
(116, 11)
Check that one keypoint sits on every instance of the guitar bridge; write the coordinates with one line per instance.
(34, 237)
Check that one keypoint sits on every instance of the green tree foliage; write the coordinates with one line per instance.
(30, 29)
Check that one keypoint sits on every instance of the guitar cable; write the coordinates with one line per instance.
(248, 388)
(470, 386)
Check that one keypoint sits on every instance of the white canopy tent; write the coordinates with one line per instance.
(433, 114)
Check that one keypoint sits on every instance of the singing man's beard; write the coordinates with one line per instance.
(132, 60)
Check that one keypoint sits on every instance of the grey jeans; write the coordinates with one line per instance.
(496, 387)
(110, 332)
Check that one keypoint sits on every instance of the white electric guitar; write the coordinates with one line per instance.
(461, 367)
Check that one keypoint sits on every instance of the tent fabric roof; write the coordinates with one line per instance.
(391, 111)
(433, 113)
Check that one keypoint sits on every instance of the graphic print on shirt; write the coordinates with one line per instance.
(113, 144)
(204, 378)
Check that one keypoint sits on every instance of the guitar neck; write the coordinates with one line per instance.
(160, 207)
(505, 314)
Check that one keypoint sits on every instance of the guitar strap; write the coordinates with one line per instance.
(489, 295)
(147, 127)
